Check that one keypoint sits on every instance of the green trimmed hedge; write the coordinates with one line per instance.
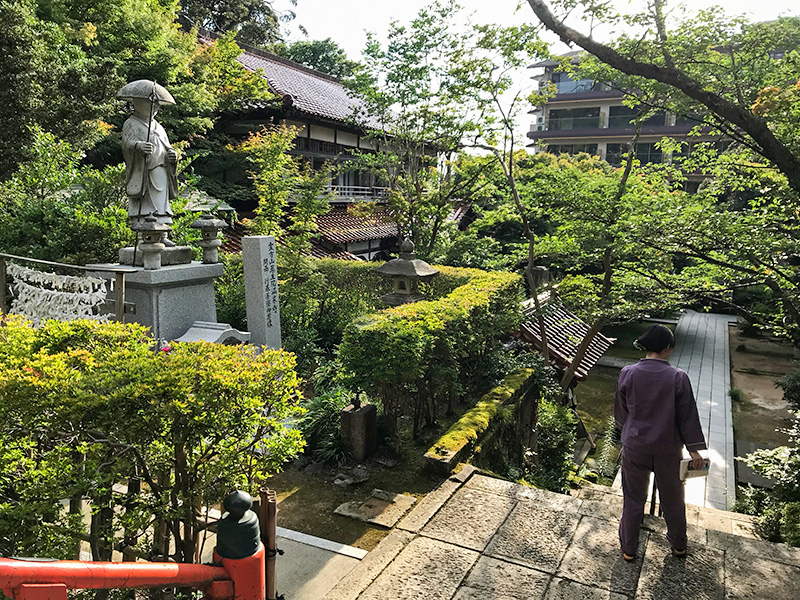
(420, 355)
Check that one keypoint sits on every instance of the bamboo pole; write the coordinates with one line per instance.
(268, 509)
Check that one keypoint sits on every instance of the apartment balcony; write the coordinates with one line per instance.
(592, 131)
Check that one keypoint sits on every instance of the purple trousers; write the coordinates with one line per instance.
(636, 469)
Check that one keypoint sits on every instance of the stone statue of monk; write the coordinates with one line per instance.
(149, 165)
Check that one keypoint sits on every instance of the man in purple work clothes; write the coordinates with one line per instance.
(656, 411)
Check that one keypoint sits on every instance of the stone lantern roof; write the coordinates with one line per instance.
(406, 272)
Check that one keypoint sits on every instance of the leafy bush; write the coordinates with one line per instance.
(85, 405)
(779, 509)
(321, 425)
(556, 436)
(790, 384)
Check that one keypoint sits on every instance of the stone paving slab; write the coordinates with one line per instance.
(425, 568)
(700, 576)
(564, 589)
(381, 508)
(470, 518)
(744, 548)
(368, 569)
(500, 580)
(493, 485)
(594, 558)
(429, 506)
(516, 543)
(754, 578)
(534, 537)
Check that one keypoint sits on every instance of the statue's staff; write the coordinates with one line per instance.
(153, 97)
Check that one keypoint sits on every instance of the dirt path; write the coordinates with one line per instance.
(756, 364)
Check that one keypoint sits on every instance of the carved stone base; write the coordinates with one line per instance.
(176, 255)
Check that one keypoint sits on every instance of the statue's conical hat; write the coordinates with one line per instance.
(143, 88)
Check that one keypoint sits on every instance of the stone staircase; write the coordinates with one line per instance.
(480, 537)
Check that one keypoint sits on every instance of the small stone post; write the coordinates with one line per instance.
(360, 429)
(261, 290)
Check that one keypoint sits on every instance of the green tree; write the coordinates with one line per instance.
(291, 197)
(45, 79)
(712, 64)
(420, 106)
(255, 22)
(54, 209)
(323, 55)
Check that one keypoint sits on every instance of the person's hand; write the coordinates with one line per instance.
(697, 460)
(145, 147)
(172, 156)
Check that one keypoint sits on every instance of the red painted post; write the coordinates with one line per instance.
(248, 576)
(41, 591)
(239, 578)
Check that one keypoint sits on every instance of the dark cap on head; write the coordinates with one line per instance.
(655, 339)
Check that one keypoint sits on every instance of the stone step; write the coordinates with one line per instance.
(480, 537)
(707, 518)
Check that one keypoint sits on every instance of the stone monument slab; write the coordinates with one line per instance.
(261, 290)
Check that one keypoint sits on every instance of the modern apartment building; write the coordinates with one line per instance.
(588, 116)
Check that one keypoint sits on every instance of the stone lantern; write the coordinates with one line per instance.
(209, 229)
(406, 272)
(152, 245)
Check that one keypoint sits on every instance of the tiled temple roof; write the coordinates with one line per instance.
(302, 88)
(341, 226)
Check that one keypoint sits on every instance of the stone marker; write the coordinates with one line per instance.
(261, 290)
(360, 430)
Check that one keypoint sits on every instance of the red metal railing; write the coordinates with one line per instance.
(32, 579)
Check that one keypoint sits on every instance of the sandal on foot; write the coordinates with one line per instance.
(628, 557)
(679, 553)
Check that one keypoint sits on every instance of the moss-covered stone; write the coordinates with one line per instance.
(465, 433)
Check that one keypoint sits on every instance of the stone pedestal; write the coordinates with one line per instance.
(176, 255)
(171, 299)
(360, 430)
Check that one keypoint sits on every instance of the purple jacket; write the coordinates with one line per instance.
(655, 409)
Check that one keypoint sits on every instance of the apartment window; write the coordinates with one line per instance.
(646, 153)
(572, 148)
(574, 118)
(565, 84)
(620, 117)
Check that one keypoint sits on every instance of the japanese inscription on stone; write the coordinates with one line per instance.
(261, 290)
